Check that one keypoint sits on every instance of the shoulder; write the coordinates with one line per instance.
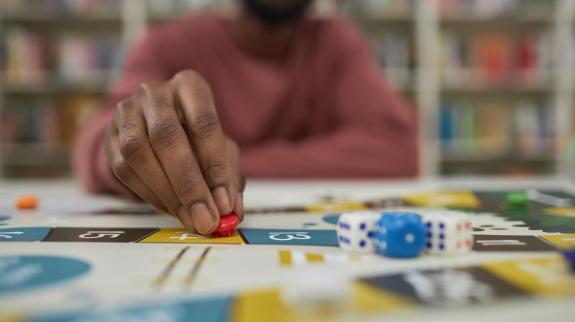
(338, 31)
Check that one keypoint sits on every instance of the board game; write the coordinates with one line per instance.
(136, 265)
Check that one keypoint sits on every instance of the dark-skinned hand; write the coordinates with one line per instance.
(166, 144)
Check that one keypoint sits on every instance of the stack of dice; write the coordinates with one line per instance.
(402, 234)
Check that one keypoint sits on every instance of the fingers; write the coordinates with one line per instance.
(139, 156)
(125, 174)
(207, 139)
(174, 152)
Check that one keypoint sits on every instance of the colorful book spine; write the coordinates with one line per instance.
(491, 130)
(29, 58)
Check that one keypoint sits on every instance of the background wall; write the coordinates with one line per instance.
(493, 81)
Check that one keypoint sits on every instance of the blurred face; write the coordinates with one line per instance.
(277, 12)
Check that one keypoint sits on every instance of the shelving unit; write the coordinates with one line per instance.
(409, 40)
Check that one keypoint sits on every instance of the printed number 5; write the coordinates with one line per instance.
(101, 234)
(289, 236)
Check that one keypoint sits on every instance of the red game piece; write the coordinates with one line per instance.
(228, 224)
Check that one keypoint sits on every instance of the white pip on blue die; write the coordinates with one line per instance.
(448, 232)
(355, 230)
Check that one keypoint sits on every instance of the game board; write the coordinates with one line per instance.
(145, 267)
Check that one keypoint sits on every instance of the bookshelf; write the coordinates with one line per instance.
(463, 63)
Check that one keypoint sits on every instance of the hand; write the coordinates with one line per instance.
(166, 144)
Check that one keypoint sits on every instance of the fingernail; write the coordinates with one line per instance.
(222, 200)
(203, 219)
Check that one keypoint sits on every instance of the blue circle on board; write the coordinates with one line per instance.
(22, 273)
(331, 219)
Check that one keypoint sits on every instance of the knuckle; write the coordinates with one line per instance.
(164, 133)
(189, 76)
(132, 148)
(205, 125)
(185, 185)
(120, 169)
(215, 172)
(149, 86)
(124, 105)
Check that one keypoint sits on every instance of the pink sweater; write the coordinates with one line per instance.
(323, 112)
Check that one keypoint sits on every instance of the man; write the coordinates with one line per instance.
(300, 97)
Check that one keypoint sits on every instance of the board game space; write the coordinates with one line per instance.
(128, 265)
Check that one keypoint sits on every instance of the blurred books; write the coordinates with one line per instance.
(502, 99)
(496, 59)
(495, 130)
(33, 58)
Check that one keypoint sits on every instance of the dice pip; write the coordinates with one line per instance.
(448, 233)
(355, 230)
(399, 234)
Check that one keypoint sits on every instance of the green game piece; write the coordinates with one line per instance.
(517, 199)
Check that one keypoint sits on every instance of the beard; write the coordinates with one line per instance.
(275, 15)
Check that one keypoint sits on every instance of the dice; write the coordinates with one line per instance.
(399, 234)
(355, 230)
(448, 233)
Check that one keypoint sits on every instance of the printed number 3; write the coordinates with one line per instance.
(289, 236)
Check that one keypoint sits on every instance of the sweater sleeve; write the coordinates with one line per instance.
(88, 158)
(376, 133)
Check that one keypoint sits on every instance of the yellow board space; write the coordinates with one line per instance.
(566, 241)
(180, 236)
(541, 276)
(336, 207)
(292, 258)
(560, 212)
(449, 199)
(7, 317)
(266, 305)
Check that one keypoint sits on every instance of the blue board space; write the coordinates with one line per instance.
(216, 309)
(290, 237)
(20, 234)
(23, 273)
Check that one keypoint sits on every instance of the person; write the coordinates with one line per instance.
(300, 96)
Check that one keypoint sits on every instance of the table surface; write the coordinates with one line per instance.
(279, 193)
(263, 193)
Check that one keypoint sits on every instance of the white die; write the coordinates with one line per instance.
(448, 232)
(355, 230)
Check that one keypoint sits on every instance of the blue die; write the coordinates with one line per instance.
(399, 234)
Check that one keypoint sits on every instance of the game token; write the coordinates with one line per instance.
(228, 224)
(27, 202)
(517, 199)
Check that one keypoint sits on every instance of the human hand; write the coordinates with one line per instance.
(166, 144)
